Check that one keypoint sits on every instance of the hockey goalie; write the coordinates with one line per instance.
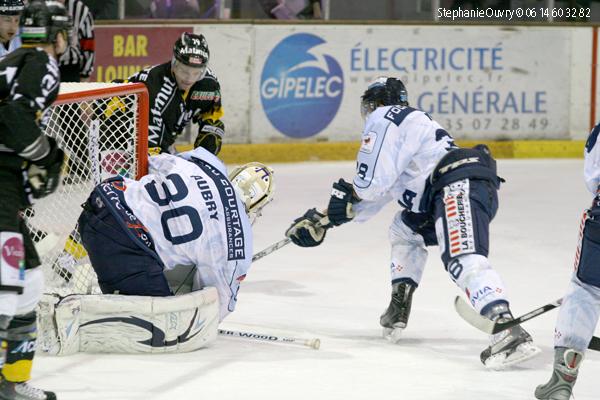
(169, 250)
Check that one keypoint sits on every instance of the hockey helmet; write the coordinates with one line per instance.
(11, 7)
(42, 21)
(383, 92)
(254, 184)
(192, 50)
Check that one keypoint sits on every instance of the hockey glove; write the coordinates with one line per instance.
(210, 135)
(307, 230)
(342, 198)
(44, 174)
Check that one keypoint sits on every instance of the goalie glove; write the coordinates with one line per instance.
(44, 175)
(210, 135)
(342, 198)
(309, 230)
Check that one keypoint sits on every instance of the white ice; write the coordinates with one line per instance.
(337, 291)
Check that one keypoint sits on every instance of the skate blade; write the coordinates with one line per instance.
(393, 335)
(524, 352)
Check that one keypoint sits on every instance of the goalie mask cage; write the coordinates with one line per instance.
(103, 130)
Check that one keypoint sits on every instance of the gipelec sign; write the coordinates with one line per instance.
(301, 86)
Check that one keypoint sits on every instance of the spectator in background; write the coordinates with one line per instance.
(10, 13)
(474, 4)
(77, 63)
(292, 9)
(103, 9)
(174, 9)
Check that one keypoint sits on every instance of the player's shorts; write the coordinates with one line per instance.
(121, 264)
(14, 201)
(459, 220)
(587, 259)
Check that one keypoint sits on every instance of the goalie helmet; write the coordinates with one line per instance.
(41, 22)
(254, 184)
(383, 92)
(11, 7)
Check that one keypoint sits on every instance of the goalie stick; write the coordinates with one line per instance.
(490, 327)
(312, 343)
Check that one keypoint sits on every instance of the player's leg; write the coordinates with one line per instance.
(578, 315)
(21, 335)
(121, 264)
(408, 234)
(463, 212)
(21, 285)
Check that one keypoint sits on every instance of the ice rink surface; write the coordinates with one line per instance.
(337, 291)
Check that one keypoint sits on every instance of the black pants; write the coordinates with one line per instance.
(12, 201)
(69, 73)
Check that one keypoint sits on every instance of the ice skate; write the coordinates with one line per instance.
(23, 391)
(508, 347)
(564, 375)
(395, 318)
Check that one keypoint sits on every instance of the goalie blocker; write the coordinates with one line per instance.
(128, 324)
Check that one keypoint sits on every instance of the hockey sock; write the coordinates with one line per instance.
(20, 348)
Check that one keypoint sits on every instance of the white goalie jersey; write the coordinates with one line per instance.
(399, 149)
(195, 217)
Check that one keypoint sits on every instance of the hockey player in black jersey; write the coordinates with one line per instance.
(29, 83)
(181, 90)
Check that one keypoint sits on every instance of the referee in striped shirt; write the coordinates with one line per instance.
(77, 63)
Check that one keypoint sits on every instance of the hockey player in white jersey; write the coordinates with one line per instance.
(185, 212)
(449, 196)
(580, 309)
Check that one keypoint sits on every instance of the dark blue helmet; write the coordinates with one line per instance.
(383, 92)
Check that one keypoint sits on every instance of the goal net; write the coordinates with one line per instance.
(102, 128)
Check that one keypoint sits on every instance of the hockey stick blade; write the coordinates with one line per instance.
(594, 343)
(480, 322)
(490, 327)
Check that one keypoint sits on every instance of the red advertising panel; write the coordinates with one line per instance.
(122, 51)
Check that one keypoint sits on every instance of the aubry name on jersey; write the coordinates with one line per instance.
(207, 196)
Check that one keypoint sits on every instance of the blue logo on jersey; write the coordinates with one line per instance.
(301, 87)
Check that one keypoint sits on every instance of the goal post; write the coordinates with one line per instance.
(103, 130)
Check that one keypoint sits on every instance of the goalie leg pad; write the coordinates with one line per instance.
(130, 324)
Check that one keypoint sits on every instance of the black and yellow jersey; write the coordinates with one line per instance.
(171, 109)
